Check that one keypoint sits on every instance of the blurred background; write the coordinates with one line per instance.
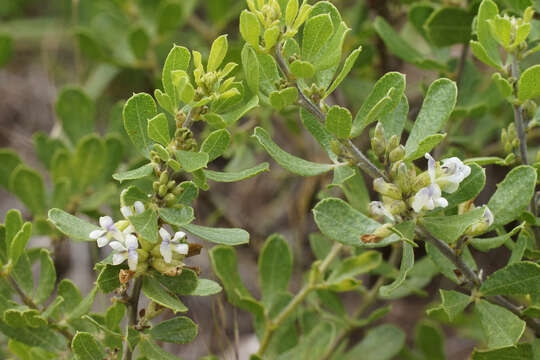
(109, 49)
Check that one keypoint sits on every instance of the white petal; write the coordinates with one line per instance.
(133, 258)
(442, 202)
(119, 258)
(179, 235)
(181, 249)
(139, 207)
(94, 234)
(105, 221)
(164, 234)
(131, 242)
(102, 241)
(118, 246)
(488, 216)
(129, 230)
(165, 250)
(431, 166)
(126, 211)
(420, 199)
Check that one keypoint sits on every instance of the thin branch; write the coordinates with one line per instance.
(360, 159)
(133, 305)
(273, 325)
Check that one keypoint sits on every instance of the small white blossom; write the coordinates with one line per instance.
(428, 198)
(107, 232)
(169, 245)
(127, 211)
(126, 250)
(450, 174)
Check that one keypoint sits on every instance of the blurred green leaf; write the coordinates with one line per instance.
(275, 267)
(76, 112)
(71, 226)
(178, 330)
(28, 185)
(448, 26)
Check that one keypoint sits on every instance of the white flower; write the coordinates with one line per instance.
(488, 216)
(377, 209)
(450, 174)
(107, 232)
(127, 211)
(483, 224)
(169, 245)
(428, 198)
(126, 250)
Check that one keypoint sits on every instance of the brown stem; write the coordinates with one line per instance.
(133, 305)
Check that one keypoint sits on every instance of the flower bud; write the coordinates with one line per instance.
(396, 207)
(403, 178)
(170, 199)
(378, 147)
(393, 143)
(397, 154)
(386, 189)
(142, 256)
(383, 231)
(178, 190)
(155, 186)
(167, 269)
(162, 190)
(421, 181)
(171, 184)
(164, 178)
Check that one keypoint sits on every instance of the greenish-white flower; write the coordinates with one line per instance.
(126, 250)
(168, 244)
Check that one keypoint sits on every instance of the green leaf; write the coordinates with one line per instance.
(28, 185)
(425, 146)
(13, 223)
(223, 236)
(131, 194)
(383, 342)
(86, 348)
(452, 303)
(250, 64)
(191, 161)
(480, 52)
(445, 266)
(42, 337)
(275, 267)
(302, 69)
(177, 216)
(216, 143)
(137, 111)
(18, 244)
(469, 188)
(139, 173)
(237, 175)
(155, 292)
(76, 112)
(351, 267)
(528, 85)
(489, 46)
(169, 16)
(347, 67)
(430, 340)
(292, 163)
(513, 195)
(178, 330)
(521, 351)
(393, 122)
(407, 262)
(108, 279)
(450, 227)
(9, 160)
(177, 59)
(448, 26)
(249, 28)
(225, 265)
(317, 31)
(381, 90)
(282, 98)
(158, 129)
(340, 222)
(139, 42)
(520, 278)
(501, 327)
(217, 53)
(206, 287)
(486, 244)
(153, 352)
(436, 109)
(183, 284)
(89, 160)
(146, 225)
(319, 132)
(234, 115)
(339, 122)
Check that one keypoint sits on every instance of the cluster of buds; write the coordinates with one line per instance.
(167, 190)
(184, 140)
(165, 257)
(211, 83)
(511, 32)
(267, 11)
(387, 151)
(509, 139)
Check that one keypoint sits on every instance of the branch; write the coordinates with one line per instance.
(471, 276)
(360, 159)
(273, 325)
(133, 304)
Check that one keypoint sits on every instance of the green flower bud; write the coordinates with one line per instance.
(142, 267)
(167, 269)
(378, 147)
(164, 178)
(396, 207)
(162, 190)
(403, 178)
(421, 181)
(171, 184)
(383, 231)
(178, 190)
(387, 189)
(393, 143)
(397, 154)
(155, 186)
(142, 255)
(170, 199)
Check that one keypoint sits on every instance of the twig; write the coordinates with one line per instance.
(133, 304)
(360, 159)
(273, 325)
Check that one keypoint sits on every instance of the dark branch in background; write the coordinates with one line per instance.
(473, 278)
(360, 159)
